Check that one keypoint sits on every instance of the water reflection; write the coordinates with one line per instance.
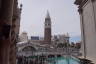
(43, 60)
(63, 60)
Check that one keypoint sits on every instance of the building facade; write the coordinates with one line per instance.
(61, 38)
(87, 11)
(23, 37)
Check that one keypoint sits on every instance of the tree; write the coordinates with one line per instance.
(78, 45)
(72, 44)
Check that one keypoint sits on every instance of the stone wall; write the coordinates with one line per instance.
(88, 27)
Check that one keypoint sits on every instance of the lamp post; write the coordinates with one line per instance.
(67, 47)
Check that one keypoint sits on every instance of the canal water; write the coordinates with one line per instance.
(63, 60)
(52, 60)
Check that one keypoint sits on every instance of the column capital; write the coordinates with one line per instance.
(80, 10)
(93, 0)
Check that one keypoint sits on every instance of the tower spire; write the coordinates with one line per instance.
(48, 15)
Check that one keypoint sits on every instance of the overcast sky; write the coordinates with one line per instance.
(63, 13)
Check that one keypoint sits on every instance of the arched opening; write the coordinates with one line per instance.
(29, 48)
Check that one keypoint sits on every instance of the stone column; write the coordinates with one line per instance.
(14, 33)
(83, 45)
(0, 4)
(6, 13)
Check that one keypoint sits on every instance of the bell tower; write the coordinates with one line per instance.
(47, 29)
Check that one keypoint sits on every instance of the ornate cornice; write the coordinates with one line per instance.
(93, 0)
(80, 2)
